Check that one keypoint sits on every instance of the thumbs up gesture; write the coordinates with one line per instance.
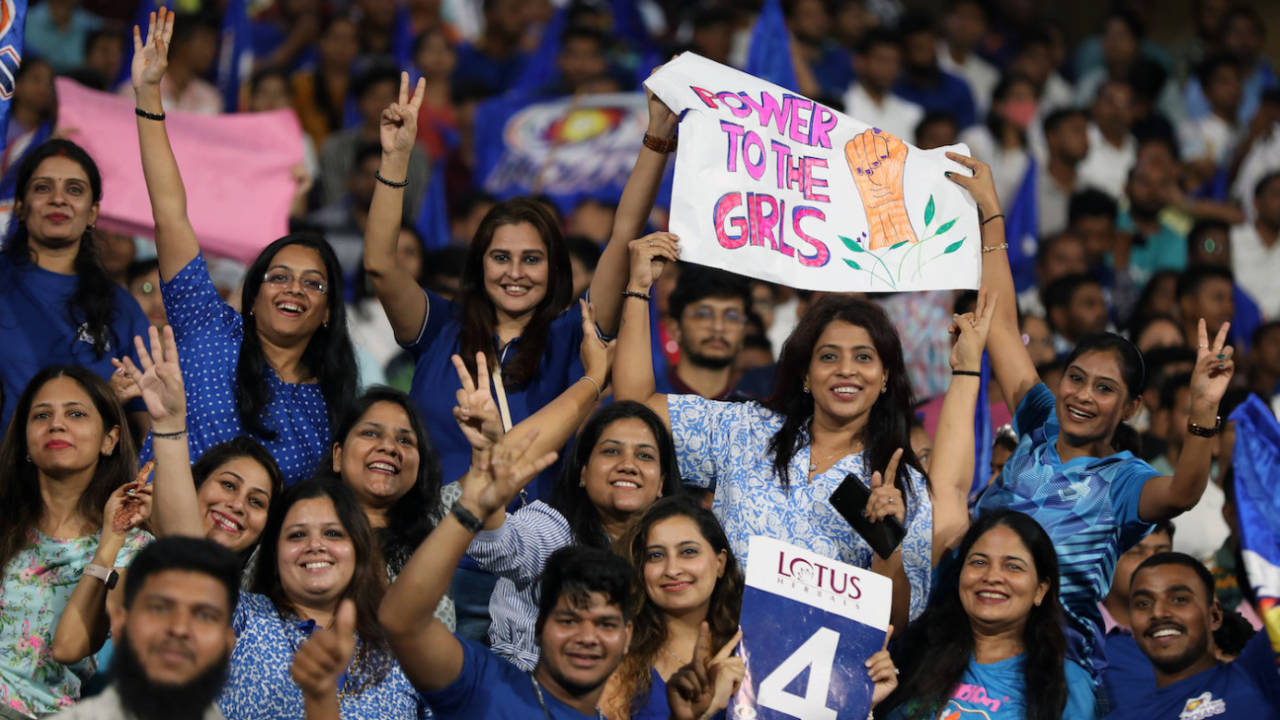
(324, 656)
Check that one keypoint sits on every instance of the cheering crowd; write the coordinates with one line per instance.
(513, 472)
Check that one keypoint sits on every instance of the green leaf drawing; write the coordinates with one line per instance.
(946, 226)
(852, 264)
(954, 246)
(852, 245)
(897, 245)
(928, 212)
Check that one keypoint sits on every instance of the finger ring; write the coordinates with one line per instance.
(650, 243)
(896, 671)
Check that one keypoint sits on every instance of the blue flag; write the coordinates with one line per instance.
(402, 40)
(769, 56)
(433, 215)
(982, 435)
(1020, 231)
(13, 22)
(235, 58)
(1257, 479)
(540, 70)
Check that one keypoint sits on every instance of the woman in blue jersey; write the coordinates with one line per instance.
(992, 634)
(1073, 470)
(282, 368)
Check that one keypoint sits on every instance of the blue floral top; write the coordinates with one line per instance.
(37, 583)
(726, 445)
(259, 686)
(209, 334)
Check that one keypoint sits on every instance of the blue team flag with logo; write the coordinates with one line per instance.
(982, 437)
(235, 58)
(769, 55)
(1020, 230)
(1257, 481)
(13, 22)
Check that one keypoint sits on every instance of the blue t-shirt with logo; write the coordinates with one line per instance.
(1247, 688)
(1089, 506)
(37, 329)
(1128, 675)
(998, 691)
(491, 687)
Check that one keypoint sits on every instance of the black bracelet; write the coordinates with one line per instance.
(639, 296)
(175, 435)
(148, 115)
(970, 373)
(993, 217)
(467, 518)
(378, 176)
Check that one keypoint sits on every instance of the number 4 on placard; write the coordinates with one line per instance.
(817, 653)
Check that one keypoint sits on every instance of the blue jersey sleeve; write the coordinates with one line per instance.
(1260, 660)
(1034, 411)
(481, 672)
(193, 304)
(1126, 495)
(439, 311)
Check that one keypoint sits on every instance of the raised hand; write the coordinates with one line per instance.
(649, 256)
(325, 655)
(128, 507)
(499, 474)
(662, 122)
(398, 128)
(690, 690)
(1214, 367)
(122, 385)
(981, 185)
(151, 59)
(886, 498)
(596, 353)
(726, 671)
(882, 671)
(970, 332)
(476, 413)
(159, 381)
(876, 161)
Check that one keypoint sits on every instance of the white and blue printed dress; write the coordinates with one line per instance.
(725, 445)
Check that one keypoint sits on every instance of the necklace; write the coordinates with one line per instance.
(813, 456)
(546, 713)
(679, 663)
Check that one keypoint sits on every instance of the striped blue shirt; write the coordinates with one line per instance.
(1088, 506)
(517, 552)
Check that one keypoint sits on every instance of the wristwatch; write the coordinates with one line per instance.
(108, 576)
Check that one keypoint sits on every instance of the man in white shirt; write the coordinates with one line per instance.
(1255, 252)
(1066, 135)
(1209, 142)
(963, 28)
(876, 65)
(173, 637)
(1112, 148)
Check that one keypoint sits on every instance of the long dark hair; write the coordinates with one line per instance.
(479, 317)
(935, 649)
(328, 355)
(242, 446)
(1133, 373)
(93, 304)
(570, 498)
(368, 580)
(411, 518)
(650, 626)
(888, 428)
(21, 502)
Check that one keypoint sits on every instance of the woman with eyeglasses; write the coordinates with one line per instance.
(282, 368)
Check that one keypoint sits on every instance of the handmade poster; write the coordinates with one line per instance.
(236, 168)
(808, 625)
(773, 185)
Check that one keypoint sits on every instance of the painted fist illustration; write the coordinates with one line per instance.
(876, 160)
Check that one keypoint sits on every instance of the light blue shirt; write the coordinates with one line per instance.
(725, 445)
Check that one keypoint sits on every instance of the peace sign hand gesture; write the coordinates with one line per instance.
(150, 60)
(398, 128)
(1214, 367)
(476, 413)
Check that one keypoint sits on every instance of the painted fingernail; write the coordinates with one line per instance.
(876, 130)
(1222, 357)
(875, 163)
(884, 157)
(947, 173)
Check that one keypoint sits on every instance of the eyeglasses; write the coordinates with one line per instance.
(705, 314)
(284, 279)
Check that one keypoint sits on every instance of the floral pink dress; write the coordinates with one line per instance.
(35, 588)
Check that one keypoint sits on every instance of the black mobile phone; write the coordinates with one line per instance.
(850, 500)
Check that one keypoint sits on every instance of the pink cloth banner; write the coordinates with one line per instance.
(236, 168)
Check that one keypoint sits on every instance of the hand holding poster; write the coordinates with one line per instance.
(776, 186)
(808, 625)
